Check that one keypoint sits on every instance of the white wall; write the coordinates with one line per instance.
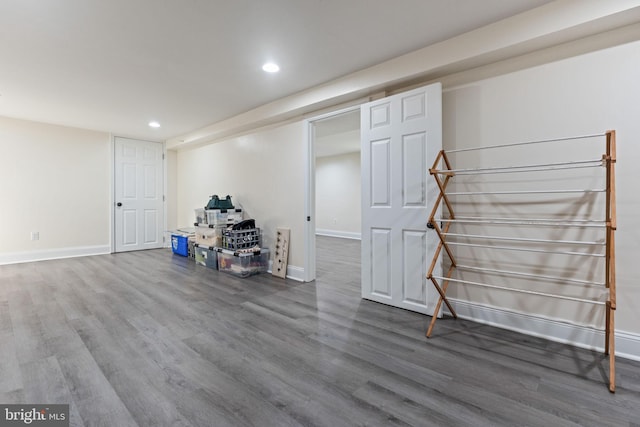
(262, 171)
(55, 180)
(172, 190)
(338, 195)
(582, 95)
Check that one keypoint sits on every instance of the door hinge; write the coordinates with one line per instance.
(163, 197)
(162, 156)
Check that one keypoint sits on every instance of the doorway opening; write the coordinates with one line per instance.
(333, 196)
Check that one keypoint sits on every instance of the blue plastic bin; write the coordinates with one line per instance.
(179, 245)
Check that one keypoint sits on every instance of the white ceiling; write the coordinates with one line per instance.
(114, 65)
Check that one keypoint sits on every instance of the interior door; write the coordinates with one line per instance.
(139, 204)
(401, 136)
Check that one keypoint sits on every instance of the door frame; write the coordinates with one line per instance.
(112, 189)
(310, 189)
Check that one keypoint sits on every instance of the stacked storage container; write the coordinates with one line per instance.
(191, 247)
(208, 237)
(209, 232)
(179, 244)
(243, 264)
(240, 239)
(226, 242)
(206, 256)
(182, 243)
(241, 253)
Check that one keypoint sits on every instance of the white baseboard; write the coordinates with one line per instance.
(293, 272)
(47, 254)
(336, 233)
(627, 344)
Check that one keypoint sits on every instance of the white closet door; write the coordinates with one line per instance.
(401, 136)
(138, 195)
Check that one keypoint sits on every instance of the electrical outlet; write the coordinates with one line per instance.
(35, 235)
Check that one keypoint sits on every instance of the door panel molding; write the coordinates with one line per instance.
(400, 137)
(139, 209)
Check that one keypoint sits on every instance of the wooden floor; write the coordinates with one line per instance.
(151, 339)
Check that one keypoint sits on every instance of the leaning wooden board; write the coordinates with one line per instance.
(280, 259)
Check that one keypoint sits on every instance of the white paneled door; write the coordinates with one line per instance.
(401, 136)
(138, 195)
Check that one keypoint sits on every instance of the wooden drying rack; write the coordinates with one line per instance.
(441, 283)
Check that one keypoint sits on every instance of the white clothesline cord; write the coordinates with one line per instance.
(510, 248)
(479, 193)
(526, 219)
(541, 222)
(523, 239)
(524, 291)
(523, 168)
(524, 143)
(535, 276)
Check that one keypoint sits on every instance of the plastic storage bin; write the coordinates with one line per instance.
(218, 203)
(179, 244)
(206, 256)
(201, 217)
(240, 239)
(223, 216)
(243, 264)
(209, 235)
(191, 250)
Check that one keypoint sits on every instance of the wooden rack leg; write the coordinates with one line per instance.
(439, 304)
(612, 350)
(610, 279)
(607, 327)
(443, 296)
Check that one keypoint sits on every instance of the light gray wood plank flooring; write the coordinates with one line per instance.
(151, 339)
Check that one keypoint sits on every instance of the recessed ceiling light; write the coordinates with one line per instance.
(154, 124)
(271, 67)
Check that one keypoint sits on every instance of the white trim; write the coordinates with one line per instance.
(337, 233)
(166, 243)
(309, 203)
(627, 343)
(310, 190)
(48, 254)
(293, 272)
(112, 195)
